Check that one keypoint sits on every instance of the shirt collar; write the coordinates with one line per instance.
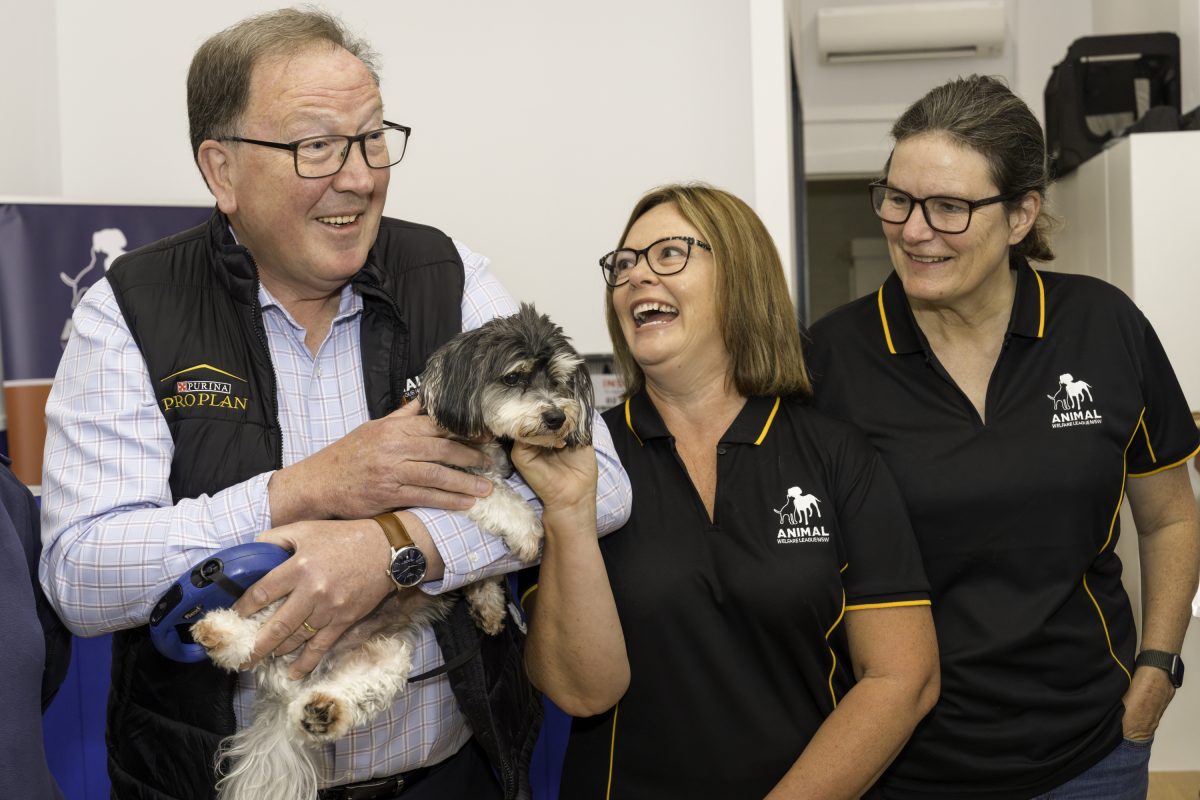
(349, 303)
(899, 327)
(750, 427)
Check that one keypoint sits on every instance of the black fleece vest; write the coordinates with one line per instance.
(191, 304)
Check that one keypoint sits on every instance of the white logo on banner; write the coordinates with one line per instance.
(109, 242)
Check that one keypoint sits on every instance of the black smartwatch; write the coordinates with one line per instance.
(407, 568)
(1170, 663)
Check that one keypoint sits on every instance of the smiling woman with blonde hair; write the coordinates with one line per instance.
(771, 634)
(753, 301)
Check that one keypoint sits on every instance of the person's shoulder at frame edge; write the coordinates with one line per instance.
(20, 508)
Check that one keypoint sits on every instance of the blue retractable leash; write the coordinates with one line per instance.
(216, 582)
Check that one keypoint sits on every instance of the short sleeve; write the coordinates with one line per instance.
(879, 550)
(1167, 435)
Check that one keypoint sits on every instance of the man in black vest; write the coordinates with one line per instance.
(249, 376)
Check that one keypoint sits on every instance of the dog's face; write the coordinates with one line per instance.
(514, 378)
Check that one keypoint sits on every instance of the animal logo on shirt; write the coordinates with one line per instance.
(1068, 402)
(796, 516)
(798, 505)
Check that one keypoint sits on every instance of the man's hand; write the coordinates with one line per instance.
(1145, 701)
(335, 577)
(398, 461)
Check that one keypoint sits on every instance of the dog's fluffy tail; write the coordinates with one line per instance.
(262, 761)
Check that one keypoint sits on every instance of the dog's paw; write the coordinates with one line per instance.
(227, 637)
(321, 717)
(524, 537)
(505, 514)
(486, 604)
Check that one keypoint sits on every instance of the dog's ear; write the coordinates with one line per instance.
(451, 386)
(582, 385)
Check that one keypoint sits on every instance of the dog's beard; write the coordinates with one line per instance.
(537, 418)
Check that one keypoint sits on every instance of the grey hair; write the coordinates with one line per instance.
(218, 81)
(980, 112)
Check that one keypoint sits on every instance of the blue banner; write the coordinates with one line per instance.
(50, 254)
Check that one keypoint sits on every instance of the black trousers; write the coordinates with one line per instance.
(466, 775)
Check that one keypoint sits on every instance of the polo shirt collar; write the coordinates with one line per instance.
(1029, 307)
(901, 334)
(749, 427)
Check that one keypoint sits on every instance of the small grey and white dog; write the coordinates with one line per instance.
(513, 379)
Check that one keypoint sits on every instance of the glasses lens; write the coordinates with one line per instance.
(891, 205)
(948, 214)
(385, 147)
(617, 265)
(319, 156)
(670, 256)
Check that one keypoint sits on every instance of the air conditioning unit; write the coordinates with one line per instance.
(911, 30)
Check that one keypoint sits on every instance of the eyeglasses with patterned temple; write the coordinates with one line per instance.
(322, 156)
(942, 214)
(664, 257)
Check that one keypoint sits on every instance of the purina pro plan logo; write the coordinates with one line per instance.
(799, 519)
(1072, 403)
(205, 386)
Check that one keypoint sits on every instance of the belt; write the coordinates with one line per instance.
(375, 788)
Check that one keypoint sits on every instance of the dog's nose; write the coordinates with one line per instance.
(553, 418)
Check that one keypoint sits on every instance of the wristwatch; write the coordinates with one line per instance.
(1171, 663)
(407, 568)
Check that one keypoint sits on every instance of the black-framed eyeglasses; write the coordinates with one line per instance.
(322, 156)
(665, 257)
(942, 214)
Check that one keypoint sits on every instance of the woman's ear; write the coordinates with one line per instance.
(1022, 218)
(215, 161)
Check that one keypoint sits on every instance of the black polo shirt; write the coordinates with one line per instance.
(1016, 518)
(733, 627)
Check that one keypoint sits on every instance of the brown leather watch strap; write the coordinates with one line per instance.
(393, 528)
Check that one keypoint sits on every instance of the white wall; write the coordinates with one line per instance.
(536, 123)
(29, 162)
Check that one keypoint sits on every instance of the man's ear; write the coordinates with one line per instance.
(216, 164)
(1022, 218)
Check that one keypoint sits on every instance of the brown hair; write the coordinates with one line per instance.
(754, 311)
(982, 113)
(218, 81)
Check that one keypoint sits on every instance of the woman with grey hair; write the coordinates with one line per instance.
(1017, 409)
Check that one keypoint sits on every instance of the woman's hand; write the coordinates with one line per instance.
(563, 478)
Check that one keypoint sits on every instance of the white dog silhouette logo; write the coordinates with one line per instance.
(1072, 404)
(110, 242)
(1069, 396)
(798, 504)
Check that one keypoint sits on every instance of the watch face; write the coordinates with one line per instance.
(408, 567)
